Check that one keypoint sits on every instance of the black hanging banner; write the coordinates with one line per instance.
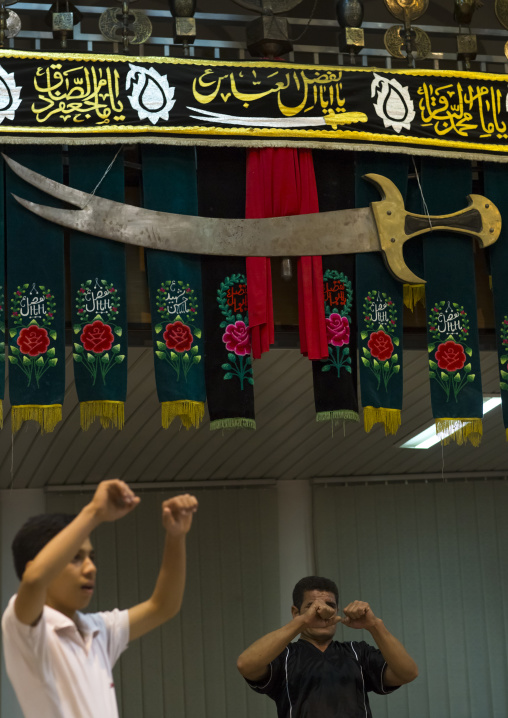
(80, 99)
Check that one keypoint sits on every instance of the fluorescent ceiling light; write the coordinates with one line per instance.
(428, 437)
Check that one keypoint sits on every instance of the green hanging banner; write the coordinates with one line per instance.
(98, 297)
(2, 292)
(36, 304)
(452, 326)
(496, 188)
(174, 280)
(379, 310)
(413, 251)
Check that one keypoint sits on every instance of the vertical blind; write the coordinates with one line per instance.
(187, 669)
(431, 559)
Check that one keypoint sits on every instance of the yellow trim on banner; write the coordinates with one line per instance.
(412, 294)
(391, 418)
(460, 430)
(47, 416)
(113, 130)
(191, 413)
(109, 413)
(1, 415)
(95, 57)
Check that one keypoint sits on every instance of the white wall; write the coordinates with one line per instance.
(16, 506)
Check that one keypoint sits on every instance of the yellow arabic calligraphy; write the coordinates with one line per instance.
(451, 108)
(77, 94)
(322, 90)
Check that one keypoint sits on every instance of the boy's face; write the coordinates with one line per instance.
(73, 588)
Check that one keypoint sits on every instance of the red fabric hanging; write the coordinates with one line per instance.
(281, 182)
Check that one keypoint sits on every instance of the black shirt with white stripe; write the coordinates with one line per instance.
(306, 682)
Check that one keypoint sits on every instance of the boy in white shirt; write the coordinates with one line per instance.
(59, 660)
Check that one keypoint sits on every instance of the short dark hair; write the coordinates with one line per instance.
(313, 583)
(34, 535)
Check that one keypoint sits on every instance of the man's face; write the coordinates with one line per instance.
(73, 588)
(318, 630)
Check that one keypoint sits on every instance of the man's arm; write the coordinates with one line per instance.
(253, 663)
(112, 500)
(166, 599)
(400, 667)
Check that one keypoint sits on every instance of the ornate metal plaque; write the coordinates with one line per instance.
(413, 8)
(395, 42)
(501, 8)
(111, 26)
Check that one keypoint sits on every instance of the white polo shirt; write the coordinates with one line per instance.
(59, 673)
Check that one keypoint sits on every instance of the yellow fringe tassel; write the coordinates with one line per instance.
(378, 415)
(412, 294)
(490, 282)
(48, 416)
(109, 413)
(460, 431)
(1, 415)
(191, 413)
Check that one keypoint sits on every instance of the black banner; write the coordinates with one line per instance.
(72, 98)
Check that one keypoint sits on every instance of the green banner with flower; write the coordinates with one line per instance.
(36, 306)
(452, 326)
(99, 297)
(379, 311)
(174, 280)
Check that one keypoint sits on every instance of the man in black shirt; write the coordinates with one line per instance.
(317, 677)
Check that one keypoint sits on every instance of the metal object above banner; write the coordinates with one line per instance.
(415, 41)
(10, 23)
(131, 27)
(410, 9)
(384, 227)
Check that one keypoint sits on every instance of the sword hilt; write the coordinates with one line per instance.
(395, 226)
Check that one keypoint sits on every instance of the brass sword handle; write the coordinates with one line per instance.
(481, 219)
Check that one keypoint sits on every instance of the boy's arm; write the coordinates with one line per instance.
(112, 500)
(166, 599)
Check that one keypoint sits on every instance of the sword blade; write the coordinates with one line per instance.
(339, 232)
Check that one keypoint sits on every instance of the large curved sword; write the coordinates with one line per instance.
(385, 226)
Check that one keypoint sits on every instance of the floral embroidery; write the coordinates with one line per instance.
(338, 292)
(448, 325)
(380, 319)
(32, 312)
(178, 309)
(503, 359)
(97, 306)
(232, 300)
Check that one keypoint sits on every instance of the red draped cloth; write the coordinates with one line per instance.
(281, 182)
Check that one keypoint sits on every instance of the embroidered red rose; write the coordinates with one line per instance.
(97, 337)
(450, 356)
(337, 330)
(237, 338)
(178, 336)
(380, 345)
(33, 340)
